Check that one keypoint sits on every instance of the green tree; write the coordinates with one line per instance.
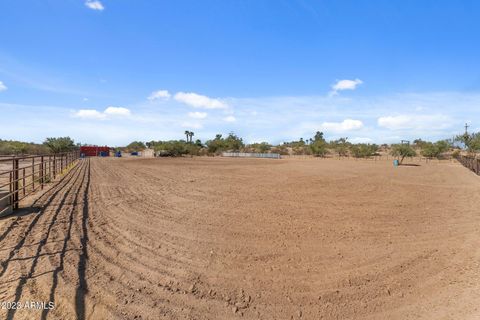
(231, 143)
(135, 146)
(471, 141)
(198, 143)
(340, 146)
(59, 145)
(402, 151)
(363, 150)
(318, 136)
(234, 142)
(318, 145)
(216, 145)
(419, 143)
(175, 148)
(434, 150)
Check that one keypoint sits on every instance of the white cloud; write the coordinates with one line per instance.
(402, 122)
(192, 125)
(345, 125)
(360, 140)
(94, 5)
(108, 112)
(89, 114)
(117, 111)
(345, 85)
(230, 119)
(3, 87)
(197, 115)
(160, 94)
(199, 101)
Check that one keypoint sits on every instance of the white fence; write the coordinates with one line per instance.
(251, 155)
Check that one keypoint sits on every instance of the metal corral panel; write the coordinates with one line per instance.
(94, 151)
(251, 155)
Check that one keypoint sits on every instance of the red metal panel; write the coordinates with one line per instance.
(93, 151)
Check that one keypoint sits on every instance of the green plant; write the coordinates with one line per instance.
(471, 141)
(261, 147)
(59, 145)
(363, 150)
(434, 150)
(231, 143)
(340, 146)
(402, 151)
(318, 145)
(135, 146)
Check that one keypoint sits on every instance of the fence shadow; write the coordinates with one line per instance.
(82, 288)
(64, 249)
(21, 212)
(43, 241)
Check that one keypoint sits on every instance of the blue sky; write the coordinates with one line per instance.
(113, 71)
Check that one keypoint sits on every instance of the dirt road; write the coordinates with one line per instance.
(221, 238)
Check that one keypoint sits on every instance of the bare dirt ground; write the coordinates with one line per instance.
(223, 238)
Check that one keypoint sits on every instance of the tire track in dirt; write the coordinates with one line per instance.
(223, 238)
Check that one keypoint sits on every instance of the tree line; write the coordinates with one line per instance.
(50, 145)
(315, 146)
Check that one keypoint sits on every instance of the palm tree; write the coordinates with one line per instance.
(187, 134)
(191, 136)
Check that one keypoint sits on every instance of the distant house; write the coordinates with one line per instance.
(147, 153)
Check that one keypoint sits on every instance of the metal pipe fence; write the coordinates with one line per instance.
(251, 155)
(21, 176)
(470, 163)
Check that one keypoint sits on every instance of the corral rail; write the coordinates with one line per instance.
(23, 175)
(471, 163)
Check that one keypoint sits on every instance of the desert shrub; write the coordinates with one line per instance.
(434, 150)
(19, 147)
(295, 147)
(261, 147)
(280, 149)
(340, 146)
(319, 148)
(175, 148)
(363, 150)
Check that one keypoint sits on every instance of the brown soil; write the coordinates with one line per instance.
(218, 238)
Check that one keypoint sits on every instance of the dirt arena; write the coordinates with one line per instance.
(218, 238)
